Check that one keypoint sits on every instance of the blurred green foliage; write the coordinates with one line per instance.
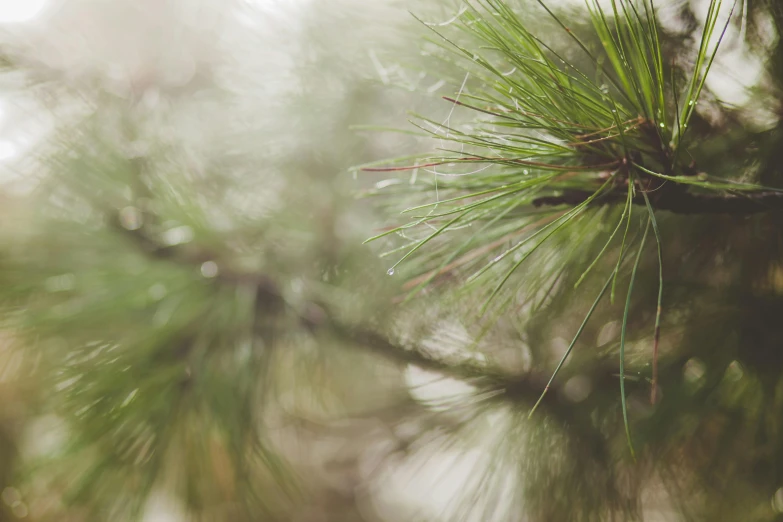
(193, 329)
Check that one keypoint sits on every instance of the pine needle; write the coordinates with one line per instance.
(573, 343)
(657, 334)
(622, 339)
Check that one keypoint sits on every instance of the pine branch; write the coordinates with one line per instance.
(679, 201)
(512, 385)
(507, 386)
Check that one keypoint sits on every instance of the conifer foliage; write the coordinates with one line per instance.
(573, 293)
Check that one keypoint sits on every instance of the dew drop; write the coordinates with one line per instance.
(177, 235)
(390, 271)
(663, 125)
(209, 269)
(130, 218)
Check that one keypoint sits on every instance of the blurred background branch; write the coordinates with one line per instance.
(193, 329)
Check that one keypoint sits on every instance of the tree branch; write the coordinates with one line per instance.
(524, 388)
(679, 200)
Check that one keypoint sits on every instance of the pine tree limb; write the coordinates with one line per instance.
(506, 386)
(679, 201)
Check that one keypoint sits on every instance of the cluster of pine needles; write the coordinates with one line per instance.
(552, 142)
